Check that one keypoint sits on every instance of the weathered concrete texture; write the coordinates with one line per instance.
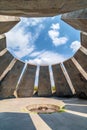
(44, 86)
(26, 85)
(39, 7)
(8, 84)
(78, 81)
(5, 61)
(62, 87)
(2, 42)
(81, 59)
(7, 22)
(84, 39)
(77, 19)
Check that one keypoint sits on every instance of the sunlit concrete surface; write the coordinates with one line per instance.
(18, 104)
(14, 117)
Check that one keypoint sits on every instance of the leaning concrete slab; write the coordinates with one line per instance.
(44, 86)
(77, 19)
(81, 59)
(79, 67)
(26, 85)
(84, 39)
(7, 22)
(2, 42)
(61, 84)
(8, 84)
(5, 61)
(39, 7)
(79, 82)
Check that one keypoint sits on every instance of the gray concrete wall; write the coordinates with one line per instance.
(2, 42)
(81, 59)
(39, 7)
(8, 84)
(84, 39)
(44, 86)
(78, 81)
(62, 87)
(7, 22)
(5, 61)
(77, 19)
(26, 85)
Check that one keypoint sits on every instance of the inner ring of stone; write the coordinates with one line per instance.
(43, 108)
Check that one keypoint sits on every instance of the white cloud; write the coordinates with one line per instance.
(36, 53)
(55, 26)
(37, 33)
(75, 45)
(24, 52)
(25, 44)
(54, 35)
(32, 21)
(47, 58)
(17, 38)
(22, 43)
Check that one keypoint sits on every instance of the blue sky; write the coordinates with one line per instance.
(43, 41)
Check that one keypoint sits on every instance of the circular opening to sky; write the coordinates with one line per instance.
(43, 41)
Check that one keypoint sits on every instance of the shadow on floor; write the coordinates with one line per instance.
(64, 121)
(82, 109)
(16, 121)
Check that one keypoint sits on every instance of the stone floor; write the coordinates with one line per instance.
(14, 117)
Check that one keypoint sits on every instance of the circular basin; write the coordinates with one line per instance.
(43, 108)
